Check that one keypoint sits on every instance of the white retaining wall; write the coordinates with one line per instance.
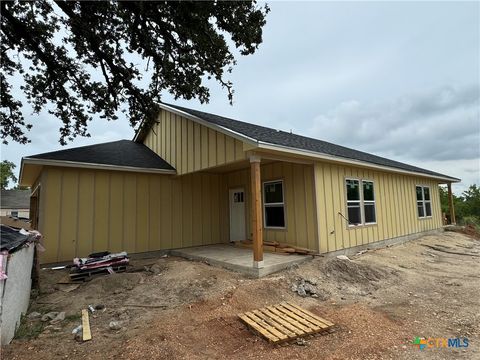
(15, 291)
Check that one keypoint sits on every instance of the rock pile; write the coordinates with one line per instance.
(307, 287)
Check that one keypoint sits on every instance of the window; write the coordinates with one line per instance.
(360, 202)
(424, 205)
(273, 204)
(238, 197)
(369, 202)
(353, 202)
(14, 214)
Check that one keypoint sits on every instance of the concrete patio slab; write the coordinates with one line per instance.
(239, 259)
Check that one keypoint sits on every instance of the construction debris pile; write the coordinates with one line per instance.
(14, 239)
(97, 264)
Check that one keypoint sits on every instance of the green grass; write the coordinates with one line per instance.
(74, 317)
(28, 330)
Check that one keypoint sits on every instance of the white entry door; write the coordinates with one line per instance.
(237, 214)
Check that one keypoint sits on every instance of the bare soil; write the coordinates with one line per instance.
(379, 302)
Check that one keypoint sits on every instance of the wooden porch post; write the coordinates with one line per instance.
(257, 223)
(451, 207)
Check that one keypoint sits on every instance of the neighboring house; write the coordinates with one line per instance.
(15, 203)
(195, 179)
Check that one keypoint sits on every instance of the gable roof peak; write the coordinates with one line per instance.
(281, 140)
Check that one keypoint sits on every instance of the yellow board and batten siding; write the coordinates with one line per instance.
(299, 195)
(395, 203)
(189, 146)
(86, 211)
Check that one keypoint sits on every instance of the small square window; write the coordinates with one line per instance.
(238, 197)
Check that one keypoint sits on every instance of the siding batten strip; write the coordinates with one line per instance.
(77, 215)
(109, 223)
(59, 227)
(92, 246)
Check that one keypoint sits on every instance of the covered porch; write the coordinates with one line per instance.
(270, 200)
(240, 259)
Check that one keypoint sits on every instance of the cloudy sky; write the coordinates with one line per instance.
(400, 80)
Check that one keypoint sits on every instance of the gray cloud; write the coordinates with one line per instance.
(316, 56)
(439, 124)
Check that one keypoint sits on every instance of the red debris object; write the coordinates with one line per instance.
(97, 264)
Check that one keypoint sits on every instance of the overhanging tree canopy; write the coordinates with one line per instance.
(181, 43)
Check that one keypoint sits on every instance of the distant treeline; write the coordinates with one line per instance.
(467, 205)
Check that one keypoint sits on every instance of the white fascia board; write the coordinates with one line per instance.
(208, 124)
(20, 173)
(83, 165)
(268, 146)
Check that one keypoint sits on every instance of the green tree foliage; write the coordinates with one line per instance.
(444, 199)
(68, 43)
(471, 199)
(6, 173)
(466, 205)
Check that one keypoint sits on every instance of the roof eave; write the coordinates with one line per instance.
(314, 154)
(139, 137)
(20, 174)
(85, 165)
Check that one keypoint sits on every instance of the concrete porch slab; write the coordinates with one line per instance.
(239, 259)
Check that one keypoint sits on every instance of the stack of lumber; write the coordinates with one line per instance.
(276, 247)
(97, 264)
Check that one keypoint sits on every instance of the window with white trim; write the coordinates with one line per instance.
(354, 212)
(369, 215)
(424, 205)
(360, 202)
(273, 204)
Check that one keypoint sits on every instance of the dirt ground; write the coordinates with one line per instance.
(380, 301)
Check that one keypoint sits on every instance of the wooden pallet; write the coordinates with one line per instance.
(88, 274)
(284, 322)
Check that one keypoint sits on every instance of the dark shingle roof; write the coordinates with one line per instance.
(15, 199)
(119, 153)
(282, 138)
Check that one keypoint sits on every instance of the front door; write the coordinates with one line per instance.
(237, 214)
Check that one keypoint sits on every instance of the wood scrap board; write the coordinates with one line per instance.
(275, 247)
(87, 335)
(284, 322)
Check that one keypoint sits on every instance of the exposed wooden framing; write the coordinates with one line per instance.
(257, 228)
(451, 207)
